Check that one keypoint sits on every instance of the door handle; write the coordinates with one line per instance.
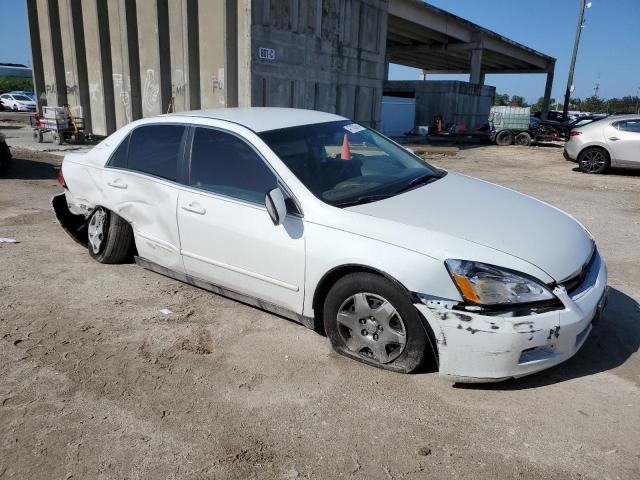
(613, 139)
(194, 207)
(117, 184)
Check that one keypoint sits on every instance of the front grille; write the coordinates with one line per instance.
(573, 282)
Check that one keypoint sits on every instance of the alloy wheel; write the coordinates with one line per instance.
(96, 230)
(592, 160)
(371, 326)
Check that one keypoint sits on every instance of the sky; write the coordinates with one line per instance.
(609, 47)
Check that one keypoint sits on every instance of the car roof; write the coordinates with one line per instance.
(261, 119)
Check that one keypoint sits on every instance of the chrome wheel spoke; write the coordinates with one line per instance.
(380, 352)
(361, 304)
(391, 336)
(384, 313)
(348, 319)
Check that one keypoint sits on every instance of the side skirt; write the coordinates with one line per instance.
(226, 292)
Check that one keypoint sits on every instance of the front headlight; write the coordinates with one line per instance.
(484, 284)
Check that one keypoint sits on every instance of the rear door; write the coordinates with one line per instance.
(141, 186)
(623, 139)
(226, 234)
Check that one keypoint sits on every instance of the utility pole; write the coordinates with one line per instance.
(567, 94)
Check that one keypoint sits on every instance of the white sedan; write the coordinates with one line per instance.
(322, 220)
(18, 102)
(612, 141)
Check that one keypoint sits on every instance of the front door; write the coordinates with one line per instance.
(226, 234)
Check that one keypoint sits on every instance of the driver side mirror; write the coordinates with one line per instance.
(276, 206)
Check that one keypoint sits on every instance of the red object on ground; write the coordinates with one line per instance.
(61, 178)
(345, 154)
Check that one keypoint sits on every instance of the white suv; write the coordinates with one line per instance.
(319, 219)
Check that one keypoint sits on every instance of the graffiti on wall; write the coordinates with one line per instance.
(179, 88)
(52, 89)
(121, 88)
(150, 91)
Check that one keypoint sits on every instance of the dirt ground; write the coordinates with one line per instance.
(95, 382)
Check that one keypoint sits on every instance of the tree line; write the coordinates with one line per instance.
(594, 104)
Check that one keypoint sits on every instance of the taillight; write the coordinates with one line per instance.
(575, 133)
(61, 178)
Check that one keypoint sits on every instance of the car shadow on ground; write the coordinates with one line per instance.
(618, 172)
(611, 343)
(23, 169)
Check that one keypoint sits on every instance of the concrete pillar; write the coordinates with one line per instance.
(476, 65)
(184, 52)
(72, 82)
(125, 70)
(244, 52)
(547, 90)
(218, 24)
(156, 94)
(36, 53)
(98, 55)
(482, 75)
(52, 60)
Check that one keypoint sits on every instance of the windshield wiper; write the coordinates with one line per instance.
(363, 199)
(421, 180)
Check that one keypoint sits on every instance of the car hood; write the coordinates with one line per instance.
(494, 217)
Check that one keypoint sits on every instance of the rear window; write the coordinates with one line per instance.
(629, 125)
(118, 158)
(155, 149)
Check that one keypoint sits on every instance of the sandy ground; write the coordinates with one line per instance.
(95, 382)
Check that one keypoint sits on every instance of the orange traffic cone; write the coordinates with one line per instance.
(345, 154)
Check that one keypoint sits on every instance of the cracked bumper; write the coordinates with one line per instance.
(482, 348)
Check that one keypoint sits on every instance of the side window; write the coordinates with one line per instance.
(155, 149)
(222, 163)
(629, 125)
(118, 158)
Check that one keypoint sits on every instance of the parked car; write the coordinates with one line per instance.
(18, 102)
(26, 93)
(597, 146)
(5, 154)
(324, 221)
(555, 116)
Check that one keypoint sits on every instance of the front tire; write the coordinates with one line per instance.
(110, 237)
(372, 320)
(594, 160)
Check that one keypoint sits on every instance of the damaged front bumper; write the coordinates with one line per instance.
(473, 347)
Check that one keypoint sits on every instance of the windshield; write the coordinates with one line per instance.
(343, 163)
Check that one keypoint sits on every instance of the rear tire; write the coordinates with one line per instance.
(523, 139)
(110, 237)
(594, 160)
(370, 319)
(504, 137)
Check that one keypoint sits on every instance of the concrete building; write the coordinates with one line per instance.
(120, 60)
(14, 70)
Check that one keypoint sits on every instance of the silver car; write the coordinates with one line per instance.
(611, 142)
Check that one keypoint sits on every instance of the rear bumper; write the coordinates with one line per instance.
(566, 156)
(482, 348)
